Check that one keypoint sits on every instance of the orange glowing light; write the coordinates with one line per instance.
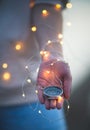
(32, 3)
(6, 76)
(60, 99)
(19, 45)
(46, 55)
(45, 13)
(46, 74)
(4, 65)
(34, 28)
(58, 7)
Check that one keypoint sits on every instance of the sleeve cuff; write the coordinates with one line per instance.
(53, 2)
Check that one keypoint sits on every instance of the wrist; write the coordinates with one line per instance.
(52, 50)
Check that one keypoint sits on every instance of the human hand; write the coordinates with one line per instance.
(53, 72)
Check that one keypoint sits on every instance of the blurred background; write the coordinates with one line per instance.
(77, 52)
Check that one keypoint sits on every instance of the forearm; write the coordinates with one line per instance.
(48, 22)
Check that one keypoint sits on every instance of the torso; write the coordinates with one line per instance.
(15, 29)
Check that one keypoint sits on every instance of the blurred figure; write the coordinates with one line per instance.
(26, 32)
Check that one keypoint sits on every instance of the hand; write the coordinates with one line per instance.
(54, 72)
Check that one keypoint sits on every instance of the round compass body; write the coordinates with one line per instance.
(52, 92)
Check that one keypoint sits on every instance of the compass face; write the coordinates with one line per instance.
(52, 92)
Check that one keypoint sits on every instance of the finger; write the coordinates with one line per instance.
(53, 104)
(59, 103)
(47, 104)
(40, 95)
(67, 86)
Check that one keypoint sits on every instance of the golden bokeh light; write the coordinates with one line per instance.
(6, 76)
(18, 45)
(58, 7)
(4, 65)
(33, 28)
(60, 99)
(45, 55)
(45, 13)
(46, 74)
(32, 3)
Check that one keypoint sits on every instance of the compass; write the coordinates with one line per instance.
(52, 92)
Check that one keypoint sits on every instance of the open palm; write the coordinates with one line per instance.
(54, 73)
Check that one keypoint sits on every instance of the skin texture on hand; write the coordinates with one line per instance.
(54, 72)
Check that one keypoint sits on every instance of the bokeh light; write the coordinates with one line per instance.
(18, 45)
(4, 65)
(33, 28)
(69, 5)
(58, 7)
(6, 76)
(45, 13)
